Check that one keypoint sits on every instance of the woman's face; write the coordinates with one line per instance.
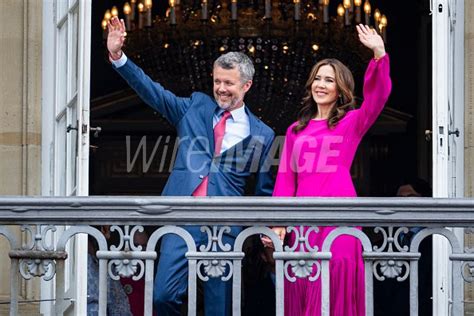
(324, 88)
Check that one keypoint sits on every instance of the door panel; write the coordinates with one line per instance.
(448, 107)
(66, 63)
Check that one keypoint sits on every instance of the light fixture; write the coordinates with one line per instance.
(177, 41)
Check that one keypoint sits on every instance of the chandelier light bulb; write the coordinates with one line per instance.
(377, 15)
(346, 4)
(383, 20)
(367, 8)
(104, 24)
(326, 2)
(127, 9)
(141, 7)
(114, 11)
(357, 3)
(315, 47)
(340, 10)
(148, 4)
(107, 15)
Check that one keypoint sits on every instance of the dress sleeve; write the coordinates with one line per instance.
(285, 184)
(376, 90)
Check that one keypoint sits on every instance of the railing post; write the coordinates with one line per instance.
(280, 287)
(14, 286)
(103, 287)
(369, 288)
(414, 288)
(192, 287)
(236, 287)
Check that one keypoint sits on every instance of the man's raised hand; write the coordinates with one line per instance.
(116, 37)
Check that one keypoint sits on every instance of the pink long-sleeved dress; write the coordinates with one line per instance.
(316, 162)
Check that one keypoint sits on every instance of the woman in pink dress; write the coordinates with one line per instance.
(316, 161)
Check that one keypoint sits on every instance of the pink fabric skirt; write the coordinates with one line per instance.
(347, 292)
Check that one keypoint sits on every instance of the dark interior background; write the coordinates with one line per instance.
(393, 150)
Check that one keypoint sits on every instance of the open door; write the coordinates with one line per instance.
(448, 138)
(65, 133)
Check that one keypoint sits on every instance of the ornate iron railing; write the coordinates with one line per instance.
(391, 217)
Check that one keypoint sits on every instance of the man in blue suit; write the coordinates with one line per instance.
(221, 145)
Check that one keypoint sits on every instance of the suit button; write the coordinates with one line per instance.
(201, 176)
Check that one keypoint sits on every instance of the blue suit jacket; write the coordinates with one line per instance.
(192, 118)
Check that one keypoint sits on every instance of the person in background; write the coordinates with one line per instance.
(117, 300)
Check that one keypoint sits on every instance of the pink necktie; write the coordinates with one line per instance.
(219, 131)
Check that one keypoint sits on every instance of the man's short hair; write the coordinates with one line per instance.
(231, 60)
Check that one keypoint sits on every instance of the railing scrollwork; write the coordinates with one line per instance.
(44, 251)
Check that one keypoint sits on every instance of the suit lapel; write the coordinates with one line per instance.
(255, 126)
(209, 115)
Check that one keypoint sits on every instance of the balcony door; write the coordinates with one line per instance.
(65, 133)
(448, 131)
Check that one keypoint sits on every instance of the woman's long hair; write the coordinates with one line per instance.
(344, 103)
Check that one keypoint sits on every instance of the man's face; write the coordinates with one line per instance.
(229, 91)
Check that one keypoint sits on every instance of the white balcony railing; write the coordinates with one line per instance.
(386, 258)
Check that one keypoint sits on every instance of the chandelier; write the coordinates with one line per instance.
(177, 42)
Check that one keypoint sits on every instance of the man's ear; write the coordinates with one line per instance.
(247, 85)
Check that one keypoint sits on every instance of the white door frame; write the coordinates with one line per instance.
(59, 161)
(448, 116)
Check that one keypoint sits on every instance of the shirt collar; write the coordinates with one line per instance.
(237, 114)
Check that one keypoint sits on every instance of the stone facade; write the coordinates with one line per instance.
(20, 119)
(469, 129)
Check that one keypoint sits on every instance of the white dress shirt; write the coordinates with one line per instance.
(119, 62)
(237, 127)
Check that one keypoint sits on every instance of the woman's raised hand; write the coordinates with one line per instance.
(369, 38)
(116, 37)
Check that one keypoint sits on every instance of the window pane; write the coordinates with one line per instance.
(62, 71)
(60, 170)
(74, 24)
(61, 9)
(72, 148)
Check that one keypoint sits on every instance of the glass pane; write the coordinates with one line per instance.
(62, 71)
(74, 24)
(72, 148)
(72, 3)
(60, 170)
(61, 9)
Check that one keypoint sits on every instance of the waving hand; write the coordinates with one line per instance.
(369, 38)
(116, 37)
